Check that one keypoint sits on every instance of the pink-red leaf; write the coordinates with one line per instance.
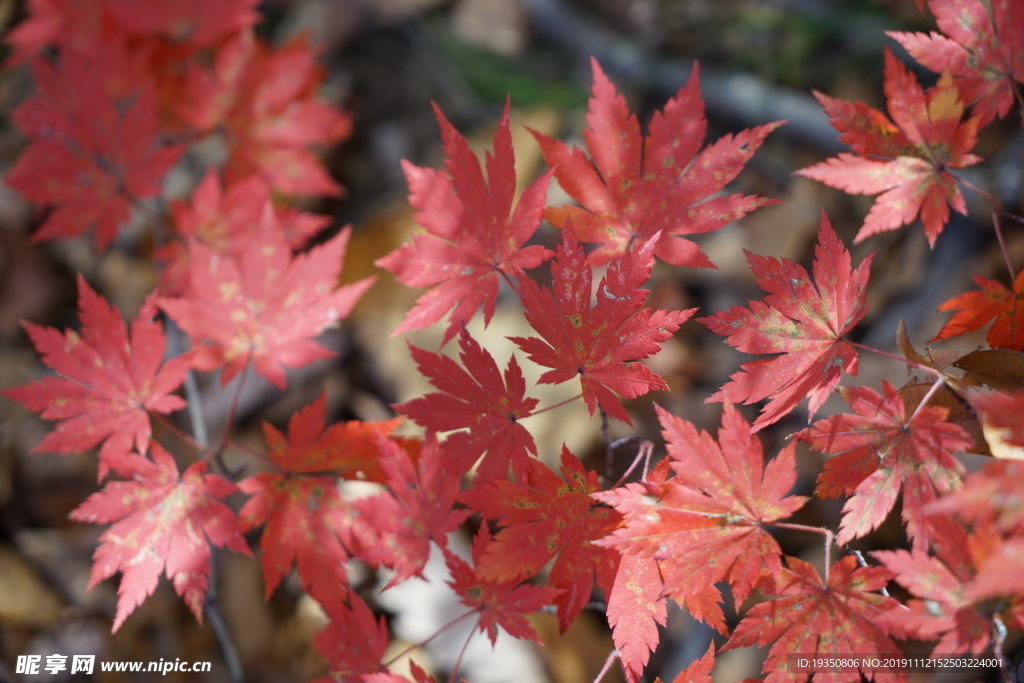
(265, 309)
(473, 234)
(478, 399)
(602, 344)
(804, 322)
(879, 451)
(108, 380)
(633, 189)
(162, 523)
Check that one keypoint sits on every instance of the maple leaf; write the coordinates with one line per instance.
(474, 235)
(837, 617)
(802, 321)
(265, 101)
(636, 606)
(950, 603)
(996, 494)
(308, 522)
(265, 308)
(699, 671)
(162, 523)
(477, 398)
(706, 524)
(601, 344)
(108, 380)
(548, 516)
(353, 642)
(634, 188)
(93, 151)
(984, 60)
(226, 220)
(74, 27)
(879, 451)
(417, 508)
(418, 675)
(926, 139)
(975, 309)
(500, 603)
(196, 23)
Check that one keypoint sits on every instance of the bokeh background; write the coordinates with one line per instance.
(387, 60)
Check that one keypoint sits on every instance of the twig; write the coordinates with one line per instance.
(552, 407)
(458, 660)
(927, 397)
(863, 563)
(829, 538)
(1002, 244)
(227, 644)
(998, 638)
(646, 448)
(885, 354)
(424, 642)
(612, 656)
(609, 453)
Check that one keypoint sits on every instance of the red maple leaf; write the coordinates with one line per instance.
(265, 101)
(500, 603)
(636, 605)
(308, 522)
(926, 140)
(266, 308)
(834, 618)
(353, 642)
(95, 146)
(706, 524)
(477, 398)
(633, 188)
(950, 603)
(975, 309)
(417, 508)
(985, 61)
(699, 671)
(881, 450)
(196, 23)
(803, 322)
(162, 523)
(546, 517)
(996, 494)
(602, 344)
(418, 675)
(108, 380)
(474, 235)
(226, 220)
(75, 27)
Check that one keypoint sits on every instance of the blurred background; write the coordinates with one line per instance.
(387, 60)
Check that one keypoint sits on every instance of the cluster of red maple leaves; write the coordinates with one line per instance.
(123, 88)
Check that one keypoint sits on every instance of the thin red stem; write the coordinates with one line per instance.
(226, 429)
(203, 450)
(920, 366)
(612, 656)
(829, 539)
(646, 448)
(927, 397)
(462, 653)
(1002, 246)
(424, 642)
(609, 452)
(557, 405)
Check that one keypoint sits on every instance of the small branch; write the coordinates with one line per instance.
(927, 397)
(1002, 245)
(458, 661)
(424, 642)
(595, 605)
(646, 448)
(552, 407)
(194, 443)
(998, 638)
(906, 361)
(612, 656)
(515, 288)
(863, 563)
(220, 627)
(226, 429)
(829, 539)
(609, 454)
